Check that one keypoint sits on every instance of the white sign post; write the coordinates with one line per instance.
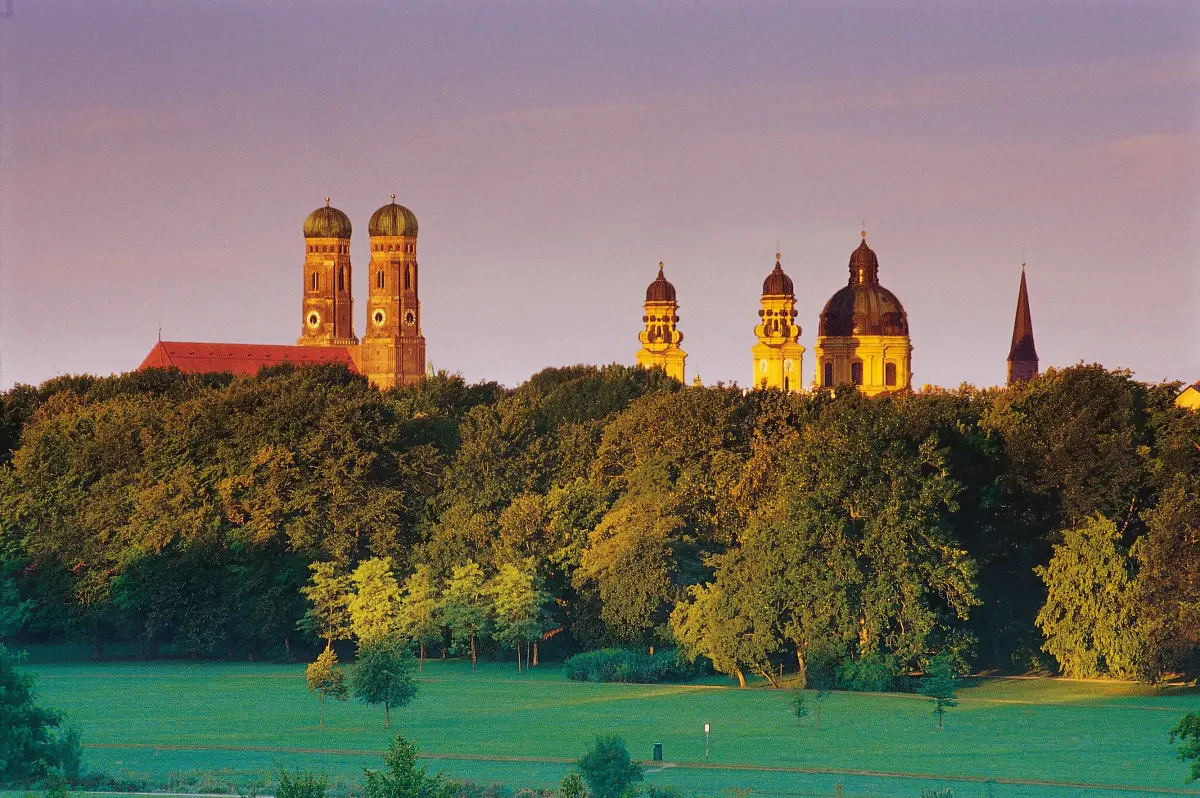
(707, 728)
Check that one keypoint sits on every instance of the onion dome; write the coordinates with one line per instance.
(392, 220)
(863, 307)
(777, 283)
(327, 222)
(660, 290)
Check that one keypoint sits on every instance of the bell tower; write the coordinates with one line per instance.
(328, 305)
(661, 338)
(393, 351)
(778, 355)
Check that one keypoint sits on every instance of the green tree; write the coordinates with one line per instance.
(33, 743)
(799, 705)
(374, 606)
(464, 607)
(572, 786)
(383, 675)
(403, 777)
(607, 768)
(517, 609)
(329, 594)
(328, 679)
(1088, 619)
(300, 785)
(708, 623)
(821, 679)
(418, 611)
(1187, 734)
(940, 684)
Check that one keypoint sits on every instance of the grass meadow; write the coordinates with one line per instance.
(219, 726)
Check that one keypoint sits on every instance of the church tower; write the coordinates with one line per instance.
(661, 339)
(328, 307)
(778, 355)
(393, 350)
(1022, 356)
(863, 339)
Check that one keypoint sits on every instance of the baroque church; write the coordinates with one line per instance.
(862, 334)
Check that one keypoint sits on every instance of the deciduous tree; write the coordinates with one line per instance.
(383, 674)
(326, 678)
(418, 611)
(464, 607)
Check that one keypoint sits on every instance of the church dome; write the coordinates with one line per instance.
(327, 222)
(392, 220)
(863, 307)
(777, 283)
(660, 290)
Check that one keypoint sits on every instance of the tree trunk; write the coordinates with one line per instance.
(421, 660)
(939, 714)
(740, 676)
(474, 656)
(97, 649)
(535, 655)
(801, 668)
(387, 715)
(518, 647)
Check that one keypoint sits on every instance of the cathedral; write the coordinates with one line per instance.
(862, 335)
(392, 349)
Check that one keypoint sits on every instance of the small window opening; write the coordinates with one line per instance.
(828, 381)
(341, 279)
(379, 279)
(889, 374)
(316, 282)
(856, 373)
(407, 277)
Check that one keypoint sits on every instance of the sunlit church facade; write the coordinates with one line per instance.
(862, 333)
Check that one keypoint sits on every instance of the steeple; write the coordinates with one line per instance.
(1022, 356)
(661, 337)
(778, 357)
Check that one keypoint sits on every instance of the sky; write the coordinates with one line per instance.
(158, 158)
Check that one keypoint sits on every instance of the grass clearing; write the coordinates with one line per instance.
(168, 720)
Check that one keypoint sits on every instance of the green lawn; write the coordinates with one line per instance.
(174, 721)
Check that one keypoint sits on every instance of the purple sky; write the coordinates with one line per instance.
(158, 159)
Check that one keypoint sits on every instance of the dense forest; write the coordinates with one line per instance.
(1052, 525)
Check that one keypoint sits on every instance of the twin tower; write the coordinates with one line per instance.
(392, 351)
(862, 339)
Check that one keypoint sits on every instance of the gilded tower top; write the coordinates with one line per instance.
(392, 220)
(777, 282)
(327, 222)
(660, 290)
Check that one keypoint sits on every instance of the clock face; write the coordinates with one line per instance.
(410, 318)
(379, 317)
(762, 366)
(314, 319)
(789, 365)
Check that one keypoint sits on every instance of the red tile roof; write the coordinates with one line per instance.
(201, 358)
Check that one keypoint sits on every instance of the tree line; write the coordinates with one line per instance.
(1052, 524)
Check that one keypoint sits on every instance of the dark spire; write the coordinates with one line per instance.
(1022, 356)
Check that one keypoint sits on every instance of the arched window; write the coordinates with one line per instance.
(889, 375)
(341, 279)
(379, 279)
(828, 381)
(316, 282)
(407, 276)
(785, 384)
(856, 373)
(390, 247)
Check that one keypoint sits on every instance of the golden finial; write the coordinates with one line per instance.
(327, 202)
(864, 229)
(660, 267)
(393, 199)
(777, 257)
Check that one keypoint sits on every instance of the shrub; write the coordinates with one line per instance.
(607, 768)
(301, 785)
(634, 667)
(871, 674)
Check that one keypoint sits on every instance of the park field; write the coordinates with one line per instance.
(217, 726)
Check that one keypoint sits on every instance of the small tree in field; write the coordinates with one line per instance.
(326, 678)
(607, 768)
(404, 778)
(517, 607)
(799, 706)
(375, 604)
(572, 786)
(464, 607)
(1187, 734)
(940, 684)
(383, 675)
(821, 680)
(419, 612)
(329, 594)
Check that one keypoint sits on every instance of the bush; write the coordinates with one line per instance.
(301, 785)
(871, 674)
(607, 768)
(632, 667)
